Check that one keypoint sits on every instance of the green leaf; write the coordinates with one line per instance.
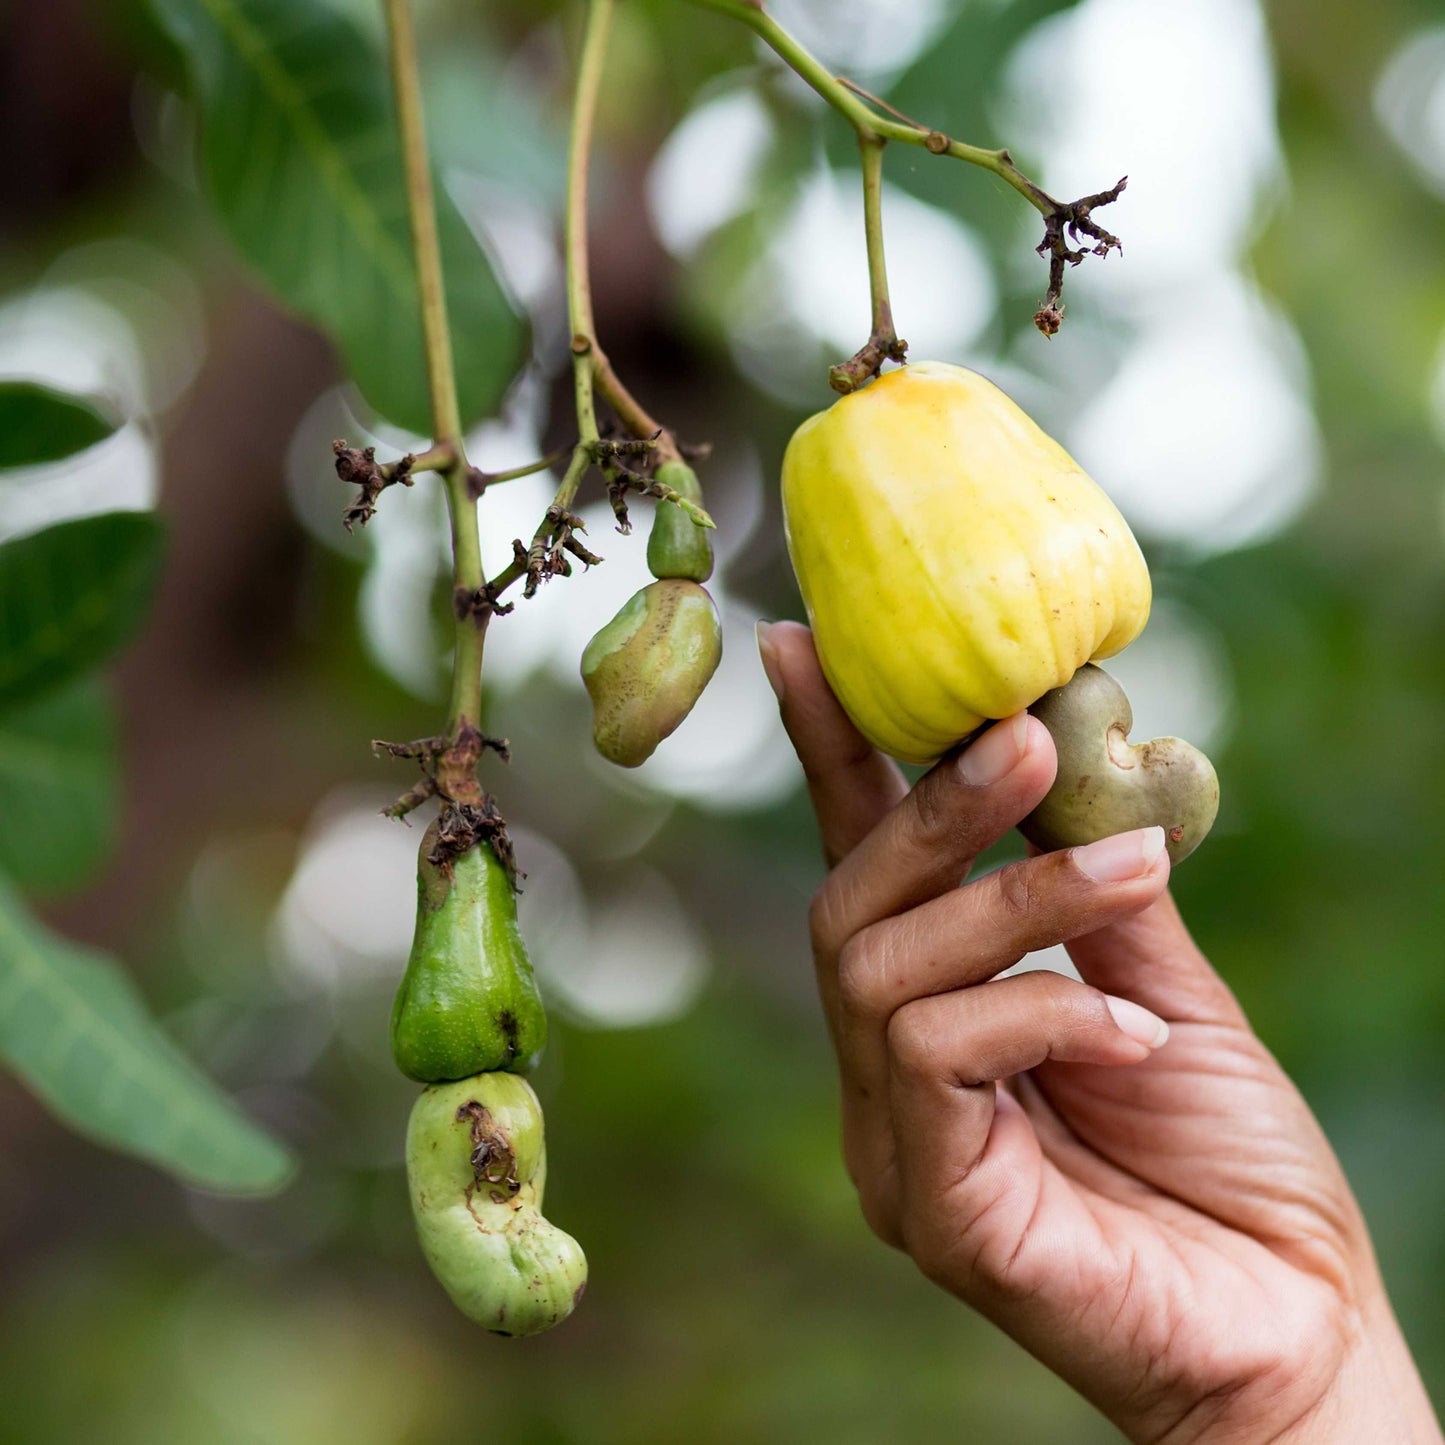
(57, 786)
(70, 595)
(301, 158)
(41, 425)
(74, 1028)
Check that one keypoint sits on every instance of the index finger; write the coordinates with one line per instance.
(852, 785)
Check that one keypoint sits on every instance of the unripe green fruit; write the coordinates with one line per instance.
(1106, 784)
(648, 666)
(476, 1163)
(468, 1003)
(679, 546)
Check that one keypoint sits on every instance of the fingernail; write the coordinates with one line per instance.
(996, 754)
(1141, 1025)
(768, 651)
(1125, 855)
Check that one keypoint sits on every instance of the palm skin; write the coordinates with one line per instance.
(1163, 1224)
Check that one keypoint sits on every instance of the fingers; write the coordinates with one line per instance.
(970, 934)
(1152, 958)
(851, 783)
(958, 941)
(927, 844)
(968, 1165)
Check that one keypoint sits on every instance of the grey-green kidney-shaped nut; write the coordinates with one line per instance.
(1106, 784)
(678, 545)
(648, 666)
(476, 1162)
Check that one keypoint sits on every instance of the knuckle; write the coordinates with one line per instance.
(912, 1040)
(1054, 996)
(1018, 892)
(931, 800)
(862, 967)
(1066, 1008)
(823, 919)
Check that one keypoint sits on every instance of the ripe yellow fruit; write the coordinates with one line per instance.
(956, 563)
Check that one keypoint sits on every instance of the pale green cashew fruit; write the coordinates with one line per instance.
(679, 546)
(476, 1163)
(647, 667)
(1106, 784)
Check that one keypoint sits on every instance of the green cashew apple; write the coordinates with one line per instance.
(468, 1003)
(476, 1163)
(679, 546)
(648, 666)
(1106, 784)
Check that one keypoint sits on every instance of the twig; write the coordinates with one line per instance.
(871, 117)
(883, 342)
(466, 695)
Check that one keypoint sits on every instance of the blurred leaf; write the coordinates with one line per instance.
(302, 161)
(57, 786)
(38, 424)
(74, 1028)
(72, 594)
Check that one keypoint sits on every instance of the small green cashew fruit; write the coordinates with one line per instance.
(1106, 784)
(648, 666)
(468, 1003)
(679, 546)
(476, 1163)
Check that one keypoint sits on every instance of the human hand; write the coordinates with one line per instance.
(1160, 1221)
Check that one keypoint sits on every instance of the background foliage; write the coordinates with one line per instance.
(1259, 380)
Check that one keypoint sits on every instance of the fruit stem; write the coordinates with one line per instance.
(883, 342)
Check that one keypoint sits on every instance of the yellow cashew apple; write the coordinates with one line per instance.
(956, 563)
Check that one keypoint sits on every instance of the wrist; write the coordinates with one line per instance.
(1375, 1397)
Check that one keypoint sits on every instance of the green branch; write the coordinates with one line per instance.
(465, 704)
(579, 279)
(585, 350)
(878, 122)
(866, 113)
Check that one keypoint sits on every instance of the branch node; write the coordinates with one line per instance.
(358, 466)
(867, 362)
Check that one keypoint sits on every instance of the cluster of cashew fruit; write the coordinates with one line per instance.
(958, 566)
(468, 1020)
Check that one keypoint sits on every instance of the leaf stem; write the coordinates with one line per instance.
(465, 704)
